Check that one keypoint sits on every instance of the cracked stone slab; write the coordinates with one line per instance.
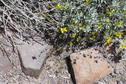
(32, 56)
(89, 65)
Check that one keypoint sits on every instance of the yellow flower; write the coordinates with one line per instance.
(70, 43)
(122, 46)
(108, 6)
(63, 30)
(108, 41)
(74, 35)
(87, 0)
(108, 37)
(91, 38)
(58, 6)
(78, 38)
(93, 32)
(110, 12)
(118, 34)
(99, 25)
(80, 24)
(107, 20)
(120, 22)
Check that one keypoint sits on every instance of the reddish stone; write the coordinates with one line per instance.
(89, 66)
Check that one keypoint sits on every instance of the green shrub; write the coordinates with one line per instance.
(91, 20)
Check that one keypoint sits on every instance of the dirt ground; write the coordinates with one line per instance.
(55, 71)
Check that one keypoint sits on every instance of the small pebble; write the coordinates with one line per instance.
(119, 82)
(116, 71)
(101, 83)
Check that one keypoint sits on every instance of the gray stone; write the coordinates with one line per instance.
(32, 56)
(119, 82)
(5, 64)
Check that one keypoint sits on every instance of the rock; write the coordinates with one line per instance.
(32, 56)
(89, 66)
(101, 83)
(5, 64)
(112, 82)
(119, 82)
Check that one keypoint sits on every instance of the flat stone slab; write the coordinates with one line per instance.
(5, 64)
(32, 56)
(89, 65)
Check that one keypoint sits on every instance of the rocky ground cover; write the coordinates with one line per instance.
(48, 42)
(57, 70)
